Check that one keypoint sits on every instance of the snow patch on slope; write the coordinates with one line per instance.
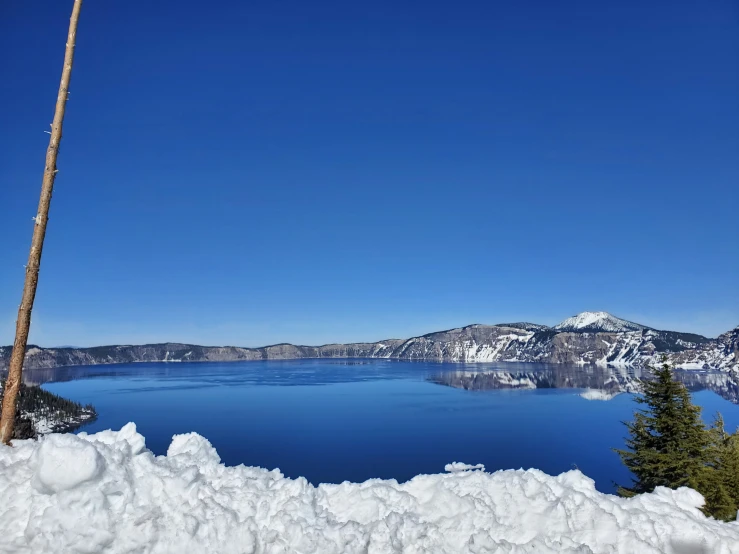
(106, 492)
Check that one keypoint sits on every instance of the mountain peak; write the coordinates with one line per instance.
(598, 321)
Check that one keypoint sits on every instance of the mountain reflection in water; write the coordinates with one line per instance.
(601, 383)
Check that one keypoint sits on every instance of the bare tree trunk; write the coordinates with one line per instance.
(23, 324)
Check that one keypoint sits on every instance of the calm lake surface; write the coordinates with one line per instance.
(336, 420)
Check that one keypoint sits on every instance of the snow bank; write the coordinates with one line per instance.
(106, 492)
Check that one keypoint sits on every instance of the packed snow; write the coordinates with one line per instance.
(106, 492)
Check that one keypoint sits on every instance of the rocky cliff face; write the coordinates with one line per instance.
(483, 343)
(588, 338)
(721, 353)
(45, 358)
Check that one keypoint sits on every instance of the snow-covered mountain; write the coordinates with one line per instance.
(588, 338)
(593, 322)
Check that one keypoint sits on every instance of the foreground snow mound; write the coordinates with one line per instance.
(106, 492)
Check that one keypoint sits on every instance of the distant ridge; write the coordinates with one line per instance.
(525, 325)
(597, 338)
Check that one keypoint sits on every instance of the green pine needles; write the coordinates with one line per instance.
(669, 446)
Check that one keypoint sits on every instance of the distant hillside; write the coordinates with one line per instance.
(587, 338)
(40, 412)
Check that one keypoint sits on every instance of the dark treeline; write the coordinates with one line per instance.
(62, 415)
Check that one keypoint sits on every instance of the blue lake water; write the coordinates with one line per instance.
(336, 420)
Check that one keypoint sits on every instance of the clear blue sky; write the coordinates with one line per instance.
(257, 172)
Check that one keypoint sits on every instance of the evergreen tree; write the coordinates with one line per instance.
(718, 502)
(668, 443)
(729, 468)
(722, 487)
(23, 428)
(669, 446)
